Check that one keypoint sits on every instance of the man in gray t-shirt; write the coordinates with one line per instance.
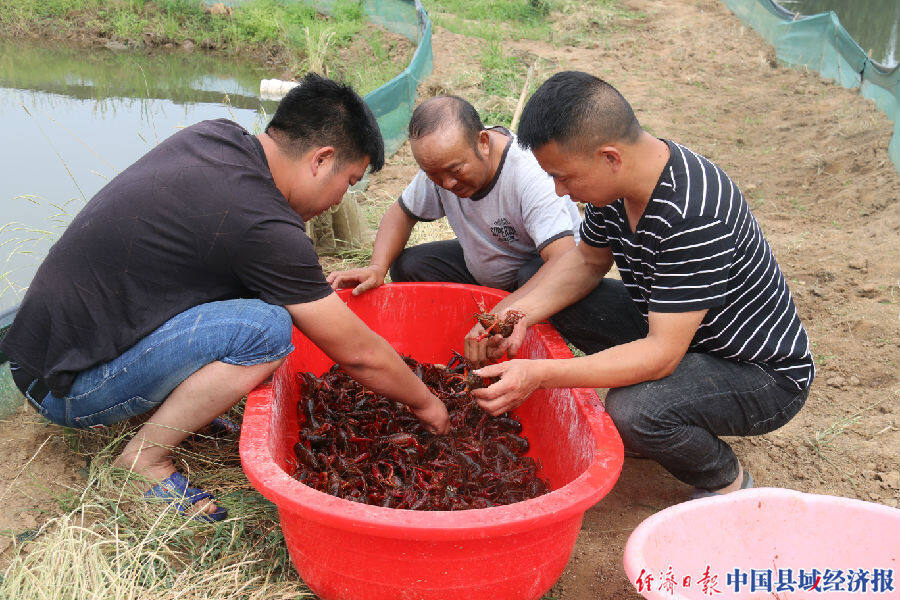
(499, 202)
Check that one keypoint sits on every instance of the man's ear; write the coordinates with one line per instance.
(322, 158)
(610, 156)
(484, 142)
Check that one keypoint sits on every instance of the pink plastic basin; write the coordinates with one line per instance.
(349, 551)
(766, 529)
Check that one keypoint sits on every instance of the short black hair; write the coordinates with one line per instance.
(321, 112)
(439, 111)
(578, 111)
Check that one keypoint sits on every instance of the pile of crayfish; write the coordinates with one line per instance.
(360, 446)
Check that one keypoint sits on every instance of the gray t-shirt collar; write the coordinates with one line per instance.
(482, 193)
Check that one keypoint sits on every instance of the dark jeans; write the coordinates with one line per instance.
(433, 261)
(676, 420)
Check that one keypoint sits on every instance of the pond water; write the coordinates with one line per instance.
(73, 118)
(874, 24)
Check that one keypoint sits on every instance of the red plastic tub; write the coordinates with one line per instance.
(349, 551)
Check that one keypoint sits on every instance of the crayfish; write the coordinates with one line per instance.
(363, 447)
(493, 324)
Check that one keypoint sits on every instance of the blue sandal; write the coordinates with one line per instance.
(177, 490)
(220, 429)
(223, 428)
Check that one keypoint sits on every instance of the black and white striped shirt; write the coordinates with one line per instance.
(697, 246)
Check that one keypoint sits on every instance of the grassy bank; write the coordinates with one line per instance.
(291, 36)
(562, 22)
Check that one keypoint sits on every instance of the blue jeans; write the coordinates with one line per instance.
(237, 332)
(677, 420)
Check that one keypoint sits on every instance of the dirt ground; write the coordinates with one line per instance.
(812, 159)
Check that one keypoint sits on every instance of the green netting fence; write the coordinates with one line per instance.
(392, 104)
(394, 101)
(821, 43)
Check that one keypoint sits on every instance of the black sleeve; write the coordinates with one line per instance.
(277, 261)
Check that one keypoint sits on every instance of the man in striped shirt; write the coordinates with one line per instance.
(700, 338)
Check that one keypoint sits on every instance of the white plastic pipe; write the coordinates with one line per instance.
(275, 89)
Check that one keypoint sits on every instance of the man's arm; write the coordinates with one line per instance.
(367, 357)
(653, 357)
(552, 251)
(475, 350)
(566, 280)
(393, 233)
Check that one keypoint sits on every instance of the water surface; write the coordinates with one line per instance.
(74, 118)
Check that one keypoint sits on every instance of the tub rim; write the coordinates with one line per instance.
(561, 504)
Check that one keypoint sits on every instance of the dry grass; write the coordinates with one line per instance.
(112, 543)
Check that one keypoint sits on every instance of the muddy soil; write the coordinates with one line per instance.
(812, 159)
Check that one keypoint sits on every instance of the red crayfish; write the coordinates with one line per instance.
(494, 324)
(363, 447)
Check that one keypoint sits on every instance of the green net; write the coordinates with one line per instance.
(820, 42)
(393, 102)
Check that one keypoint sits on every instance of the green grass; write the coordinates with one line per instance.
(501, 77)
(496, 11)
(270, 28)
(503, 72)
(489, 19)
(561, 22)
(380, 60)
(253, 22)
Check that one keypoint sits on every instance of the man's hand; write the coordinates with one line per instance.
(365, 279)
(367, 357)
(518, 380)
(434, 415)
(491, 348)
(476, 347)
(510, 346)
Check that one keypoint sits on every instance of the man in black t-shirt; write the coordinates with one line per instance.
(174, 289)
(700, 338)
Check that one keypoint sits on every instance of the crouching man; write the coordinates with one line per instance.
(174, 289)
(507, 219)
(700, 338)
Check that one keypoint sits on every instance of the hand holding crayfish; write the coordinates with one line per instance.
(434, 416)
(518, 380)
(493, 335)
